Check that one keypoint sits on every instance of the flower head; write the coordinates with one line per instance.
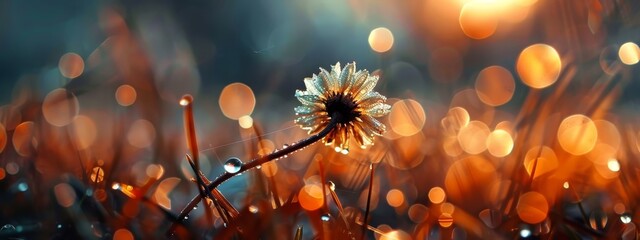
(345, 94)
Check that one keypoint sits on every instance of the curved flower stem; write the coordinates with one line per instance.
(335, 118)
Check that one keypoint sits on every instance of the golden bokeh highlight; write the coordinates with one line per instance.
(467, 177)
(495, 86)
(60, 107)
(407, 117)
(23, 138)
(445, 220)
(532, 207)
(613, 165)
(447, 208)
(629, 53)
(97, 175)
(456, 118)
(473, 137)
(141, 134)
(577, 134)
(396, 235)
(245, 122)
(547, 160)
(395, 198)
(478, 19)
(123, 234)
(269, 169)
(71, 65)
(3, 137)
(381, 39)
(85, 131)
(437, 195)
(418, 213)
(499, 143)
(126, 95)
(539, 65)
(237, 100)
(310, 197)
(65, 195)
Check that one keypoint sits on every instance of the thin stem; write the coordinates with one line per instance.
(257, 162)
(366, 211)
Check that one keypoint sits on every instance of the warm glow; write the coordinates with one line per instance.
(418, 213)
(407, 117)
(245, 122)
(237, 100)
(97, 175)
(467, 177)
(3, 137)
(141, 134)
(23, 138)
(60, 107)
(395, 198)
(381, 39)
(629, 53)
(613, 165)
(499, 143)
(310, 197)
(65, 195)
(447, 208)
(126, 95)
(455, 119)
(577, 134)
(539, 66)
(122, 234)
(473, 137)
(445, 220)
(395, 235)
(71, 65)
(532, 207)
(437, 195)
(495, 85)
(478, 19)
(543, 158)
(161, 195)
(85, 131)
(269, 169)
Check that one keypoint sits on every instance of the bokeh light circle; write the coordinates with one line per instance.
(23, 138)
(60, 107)
(237, 100)
(629, 53)
(381, 39)
(532, 207)
(577, 134)
(544, 159)
(539, 66)
(495, 85)
(499, 143)
(126, 95)
(71, 65)
(473, 137)
(478, 19)
(407, 117)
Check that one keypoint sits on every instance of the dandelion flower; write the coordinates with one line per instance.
(348, 96)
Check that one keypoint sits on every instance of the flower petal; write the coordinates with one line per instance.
(346, 75)
(371, 98)
(306, 98)
(378, 109)
(372, 124)
(312, 87)
(331, 81)
(367, 86)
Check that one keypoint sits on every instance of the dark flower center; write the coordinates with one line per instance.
(343, 104)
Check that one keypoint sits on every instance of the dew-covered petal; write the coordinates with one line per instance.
(373, 124)
(306, 97)
(378, 110)
(312, 87)
(332, 82)
(371, 98)
(367, 86)
(346, 75)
